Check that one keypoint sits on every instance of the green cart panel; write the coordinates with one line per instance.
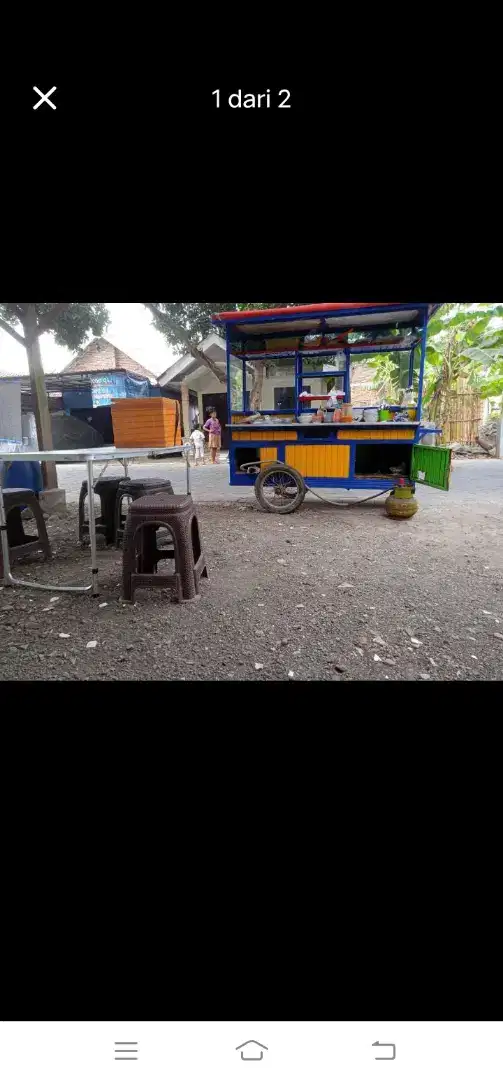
(431, 465)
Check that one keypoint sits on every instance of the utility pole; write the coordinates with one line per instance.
(185, 408)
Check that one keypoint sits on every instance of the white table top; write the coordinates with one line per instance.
(96, 453)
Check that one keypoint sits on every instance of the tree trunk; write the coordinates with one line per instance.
(257, 384)
(39, 394)
(194, 351)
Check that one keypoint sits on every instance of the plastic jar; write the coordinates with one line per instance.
(370, 416)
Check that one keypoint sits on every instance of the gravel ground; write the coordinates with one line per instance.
(320, 594)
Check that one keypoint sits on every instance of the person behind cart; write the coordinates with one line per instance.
(212, 426)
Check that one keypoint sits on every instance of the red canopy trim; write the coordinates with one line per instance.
(304, 309)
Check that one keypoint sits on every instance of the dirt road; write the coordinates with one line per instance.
(322, 594)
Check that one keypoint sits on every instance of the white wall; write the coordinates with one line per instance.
(10, 409)
(205, 383)
(318, 386)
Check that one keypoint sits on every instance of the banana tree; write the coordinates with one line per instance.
(391, 375)
(462, 342)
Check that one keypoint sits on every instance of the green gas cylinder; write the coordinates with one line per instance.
(401, 502)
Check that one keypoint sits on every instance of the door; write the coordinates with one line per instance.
(431, 465)
(219, 402)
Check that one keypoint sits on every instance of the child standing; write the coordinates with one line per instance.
(197, 440)
(212, 426)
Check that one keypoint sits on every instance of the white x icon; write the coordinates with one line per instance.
(44, 97)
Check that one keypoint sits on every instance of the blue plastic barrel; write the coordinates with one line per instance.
(23, 474)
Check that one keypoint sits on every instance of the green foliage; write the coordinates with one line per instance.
(70, 326)
(463, 341)
(75, 324)
(187, 321)
(193, 321)
(391, 377)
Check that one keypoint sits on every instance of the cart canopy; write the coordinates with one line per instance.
(308, 318)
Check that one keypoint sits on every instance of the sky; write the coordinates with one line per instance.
(130, 329)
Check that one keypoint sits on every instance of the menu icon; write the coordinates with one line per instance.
(126, 1051)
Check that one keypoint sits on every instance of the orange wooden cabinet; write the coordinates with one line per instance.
(146, 422)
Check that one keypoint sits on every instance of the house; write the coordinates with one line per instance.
(106, 373)
(101, 355)
(203, 387)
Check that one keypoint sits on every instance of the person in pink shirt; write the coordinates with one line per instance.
(212, 426)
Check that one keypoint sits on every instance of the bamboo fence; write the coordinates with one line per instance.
(461, 414)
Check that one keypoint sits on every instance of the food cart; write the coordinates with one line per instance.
(283, 362)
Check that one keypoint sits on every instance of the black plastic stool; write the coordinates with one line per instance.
(135, 489)
(106, 488)
(19, 542)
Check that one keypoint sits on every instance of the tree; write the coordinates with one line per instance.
(185, 325)
(462, 342)
(70, 324)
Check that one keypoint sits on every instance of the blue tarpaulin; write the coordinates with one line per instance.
(111, 385)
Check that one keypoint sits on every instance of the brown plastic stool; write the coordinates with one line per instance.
(19, 542)
(141, 555)
(135, 489)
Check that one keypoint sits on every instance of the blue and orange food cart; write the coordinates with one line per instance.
(281, 361)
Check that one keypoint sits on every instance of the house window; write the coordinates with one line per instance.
(265, 378)
(284, 397)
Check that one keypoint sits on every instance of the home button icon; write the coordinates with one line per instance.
(252, 1054)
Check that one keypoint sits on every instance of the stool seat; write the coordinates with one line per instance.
(141, 555)
(163, 502)
(134, 485)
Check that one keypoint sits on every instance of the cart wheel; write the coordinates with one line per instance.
(280, 489)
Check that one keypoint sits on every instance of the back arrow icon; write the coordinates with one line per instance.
(392, 1058)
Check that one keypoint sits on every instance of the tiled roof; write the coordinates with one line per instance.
(101, 355)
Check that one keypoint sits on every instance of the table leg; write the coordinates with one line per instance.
(5, 542)
(92, 529)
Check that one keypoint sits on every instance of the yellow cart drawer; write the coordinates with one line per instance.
(325, 460)
(264, 436)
